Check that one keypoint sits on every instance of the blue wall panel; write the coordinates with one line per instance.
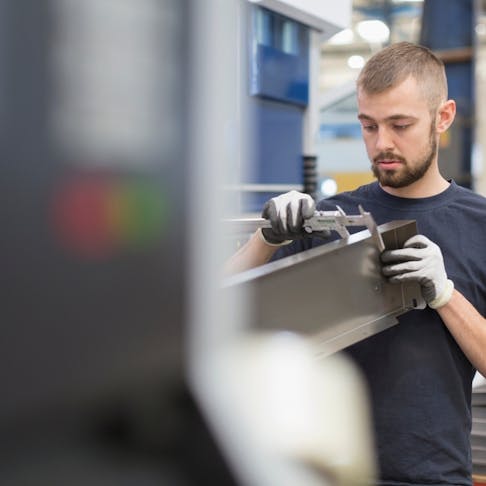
(278, 148)
(279, 67)
(278, 94)
(280, 76)
(448, 26)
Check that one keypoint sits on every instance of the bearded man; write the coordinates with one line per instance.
(419, 372)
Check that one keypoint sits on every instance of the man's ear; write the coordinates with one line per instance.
(445, 115)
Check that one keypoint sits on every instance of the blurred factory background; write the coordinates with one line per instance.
(129, 130)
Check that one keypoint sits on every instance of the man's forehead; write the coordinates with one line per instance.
(391, 105)
(406, 92)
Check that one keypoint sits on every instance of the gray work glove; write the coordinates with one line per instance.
(286, 214)
(420, 260)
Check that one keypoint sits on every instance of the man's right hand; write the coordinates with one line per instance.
(287, 213)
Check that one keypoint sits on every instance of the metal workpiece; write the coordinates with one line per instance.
(335, 293)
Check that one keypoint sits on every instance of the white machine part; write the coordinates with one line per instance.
(288, 418)
(325, 16)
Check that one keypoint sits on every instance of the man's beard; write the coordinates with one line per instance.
(407, 175)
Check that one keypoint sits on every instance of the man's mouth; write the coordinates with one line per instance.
(388, 164)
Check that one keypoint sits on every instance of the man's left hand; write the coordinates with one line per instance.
(420, 260)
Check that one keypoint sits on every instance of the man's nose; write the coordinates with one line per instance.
(384, 140)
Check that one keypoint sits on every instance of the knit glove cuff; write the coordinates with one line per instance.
(444, 296)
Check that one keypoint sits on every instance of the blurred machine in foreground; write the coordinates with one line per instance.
(94, 124)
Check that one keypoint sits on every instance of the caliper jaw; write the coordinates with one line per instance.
(339, 221)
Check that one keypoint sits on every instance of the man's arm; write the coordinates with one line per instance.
(286, 214)
(254, 253)
(468, 327)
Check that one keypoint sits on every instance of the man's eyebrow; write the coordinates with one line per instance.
(362, 116)
(398, 116)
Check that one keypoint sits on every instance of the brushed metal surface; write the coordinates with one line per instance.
(335, 294)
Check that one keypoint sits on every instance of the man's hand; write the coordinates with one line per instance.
(286, 214)
(420, 260)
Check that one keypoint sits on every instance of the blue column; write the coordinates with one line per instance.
(278, 91)
(448, 27)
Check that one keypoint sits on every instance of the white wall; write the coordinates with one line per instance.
(326, 16)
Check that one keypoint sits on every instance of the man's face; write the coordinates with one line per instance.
(399, 134)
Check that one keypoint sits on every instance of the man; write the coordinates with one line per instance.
(419, 372)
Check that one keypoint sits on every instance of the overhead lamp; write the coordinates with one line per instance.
(328, 187)
(480, 29)
(356, 62)
(373, 31)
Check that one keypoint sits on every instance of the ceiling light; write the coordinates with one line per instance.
(373, 31)
(329, 187)
(356, 62)
(480, 29)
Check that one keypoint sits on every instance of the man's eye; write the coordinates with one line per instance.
(369, 128)
(400, 127)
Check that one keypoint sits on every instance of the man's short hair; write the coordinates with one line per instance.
(395, 63)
